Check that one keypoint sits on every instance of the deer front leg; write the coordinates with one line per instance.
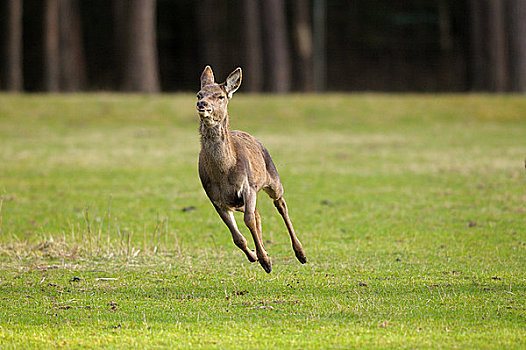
(239, 240)
(281, 205)
(251, 220)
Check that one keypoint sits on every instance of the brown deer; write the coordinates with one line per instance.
(234, 167)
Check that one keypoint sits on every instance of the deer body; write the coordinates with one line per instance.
(234, 167)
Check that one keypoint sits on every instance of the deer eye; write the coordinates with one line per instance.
(221, 97)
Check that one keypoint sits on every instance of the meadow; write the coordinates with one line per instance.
(411, 209)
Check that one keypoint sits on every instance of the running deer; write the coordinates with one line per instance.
(234, 167)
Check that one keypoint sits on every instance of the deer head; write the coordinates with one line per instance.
(212, 99)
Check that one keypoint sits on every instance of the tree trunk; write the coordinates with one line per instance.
(211, 23)
(497, 46)
(141, 68)
(444, 22)
(319, 41)
(254, 53)
(51, 46)
(276, 46)
(73, 64)
(15, 80)
(478, 59)
(120, 15)
(517, 20)
(303, 41)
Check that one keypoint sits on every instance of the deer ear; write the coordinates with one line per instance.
(207, 77)
(233, 82)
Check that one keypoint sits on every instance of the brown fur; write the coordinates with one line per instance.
(234, 167)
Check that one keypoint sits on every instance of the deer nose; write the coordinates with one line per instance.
(202, 104)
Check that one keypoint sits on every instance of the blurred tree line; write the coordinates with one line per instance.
(282, 45)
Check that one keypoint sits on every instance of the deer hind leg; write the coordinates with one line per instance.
(239, 240)
(253, 222)
(258, 225)
(281, 205)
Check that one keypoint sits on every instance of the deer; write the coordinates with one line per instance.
(234, 166)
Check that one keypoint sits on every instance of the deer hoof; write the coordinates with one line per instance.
(301, 257)
(266, 264)
(252, 256)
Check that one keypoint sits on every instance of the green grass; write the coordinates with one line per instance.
(411, 209)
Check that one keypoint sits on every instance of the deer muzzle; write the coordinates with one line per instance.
(202, 107)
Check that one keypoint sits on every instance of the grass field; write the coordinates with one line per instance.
(411, 208)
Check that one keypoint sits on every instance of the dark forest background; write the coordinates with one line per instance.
(282, 45)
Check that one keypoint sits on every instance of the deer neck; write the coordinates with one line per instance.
(216, 145)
